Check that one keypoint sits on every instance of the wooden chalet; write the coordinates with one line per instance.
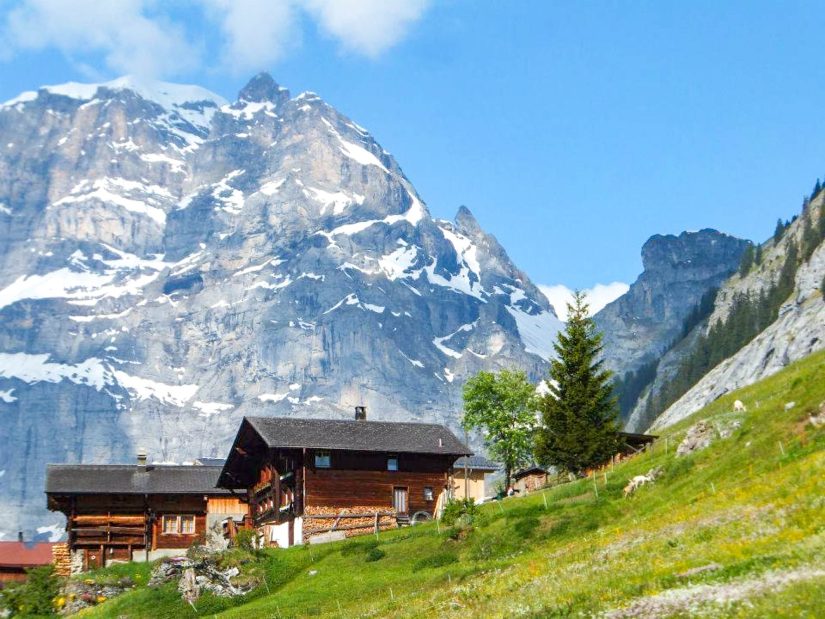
(137, 512)
(325, 479)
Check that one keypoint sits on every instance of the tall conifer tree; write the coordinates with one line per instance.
(579, 428)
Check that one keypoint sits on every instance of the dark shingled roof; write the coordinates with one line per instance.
(358, 435)
(530, 470)
(211, 461)
(131, 479)
(477, 463)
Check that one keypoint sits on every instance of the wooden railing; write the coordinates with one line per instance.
(109, 530)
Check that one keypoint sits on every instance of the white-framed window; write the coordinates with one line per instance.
(428, 493)
(170, 525)
(392, 463)
(176, 524)
(187, 525)
(323, 459)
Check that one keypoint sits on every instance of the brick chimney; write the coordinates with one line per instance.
(360, 413)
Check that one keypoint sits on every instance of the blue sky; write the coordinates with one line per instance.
(572, 130)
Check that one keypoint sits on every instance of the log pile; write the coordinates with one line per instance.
(62, 559)
(353, 521)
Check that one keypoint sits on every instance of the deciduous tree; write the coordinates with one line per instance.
(503, 407)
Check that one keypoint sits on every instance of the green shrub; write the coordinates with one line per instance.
(34, 598)
(374, 554)
(437, 559)
(234, 557)
(458, 509)
(246, 540)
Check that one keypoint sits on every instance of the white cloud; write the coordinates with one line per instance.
(122, 32)
(145, 38)
(367, 27)
(255, 33)
(597, 297)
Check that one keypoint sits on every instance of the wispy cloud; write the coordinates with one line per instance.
(254, 33)
(597, 297)
(367, 27)
(120, 32)
(147, 38)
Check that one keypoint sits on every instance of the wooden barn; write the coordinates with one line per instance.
(529, 479)
(138, 512)
(321, 478)
(17, 557)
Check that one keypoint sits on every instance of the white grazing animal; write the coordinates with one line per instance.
(636, 482)
(739, 407)
(641, 480)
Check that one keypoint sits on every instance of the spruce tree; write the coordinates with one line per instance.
(810, 238)
(779, 230)
(579, 428)
(757, 256)
(821, 226)
(747, 261)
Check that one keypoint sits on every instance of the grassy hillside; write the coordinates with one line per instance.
(734, 530)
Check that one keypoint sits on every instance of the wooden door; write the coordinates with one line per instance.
(399, 500)
(93, 558)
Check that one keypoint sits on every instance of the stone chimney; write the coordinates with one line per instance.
(141, 458)
(20, 536)
(360, 413)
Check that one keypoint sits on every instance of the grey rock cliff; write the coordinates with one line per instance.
(171, 262)
(678, 271)
(797, 332)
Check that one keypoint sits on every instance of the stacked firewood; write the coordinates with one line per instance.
(62, 559)
(354, 520)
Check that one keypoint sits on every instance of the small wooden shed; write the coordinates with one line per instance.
(529, 479)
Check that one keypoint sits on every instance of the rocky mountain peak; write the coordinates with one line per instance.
(678, 271)
(466, 221)
(679, 253)
(263, 88)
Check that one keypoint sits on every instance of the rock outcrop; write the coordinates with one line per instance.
(678, 271)
(797, 332)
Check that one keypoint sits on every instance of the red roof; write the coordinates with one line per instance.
(21, 554)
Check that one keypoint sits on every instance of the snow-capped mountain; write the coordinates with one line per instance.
(172, 262)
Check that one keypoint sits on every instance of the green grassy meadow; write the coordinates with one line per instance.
(735, 530)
